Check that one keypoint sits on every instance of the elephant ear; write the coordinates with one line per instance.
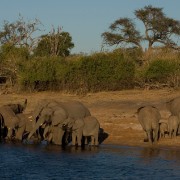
(58, 117)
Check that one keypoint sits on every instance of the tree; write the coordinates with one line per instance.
(122, 31)
(159, 29)
(54, 44)
(11, 57)
(20, 33)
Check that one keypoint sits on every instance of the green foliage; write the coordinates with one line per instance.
(162, 70)
(38, 73)
(158, 29)
(87, 74)
(58, 44)
(10, 57)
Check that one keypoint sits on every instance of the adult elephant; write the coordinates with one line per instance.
(149, 118)
(24, 127)
(174, 106)
(89, 127)
(56, 114)
(10, 120)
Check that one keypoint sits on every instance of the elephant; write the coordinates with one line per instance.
(89, 127)
(24, 127)
(18, 108)
(10, 119)
(54, 134)
(174, 107)
(173, 125)
(149, 118)
(52, 115)
(163, 129)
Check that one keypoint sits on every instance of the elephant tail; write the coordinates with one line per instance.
(2, 125)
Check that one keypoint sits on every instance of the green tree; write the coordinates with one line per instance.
(159, 29)
(11, 56)
(54, 44)
(122, 31)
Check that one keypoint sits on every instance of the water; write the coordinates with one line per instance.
(104, 162)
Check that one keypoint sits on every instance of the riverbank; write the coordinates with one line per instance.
(116, 111)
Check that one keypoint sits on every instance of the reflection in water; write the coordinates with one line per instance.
(104, 162)
(148, 154)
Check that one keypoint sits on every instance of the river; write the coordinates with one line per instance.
(50, 162)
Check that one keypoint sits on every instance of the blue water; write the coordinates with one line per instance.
(104, 162)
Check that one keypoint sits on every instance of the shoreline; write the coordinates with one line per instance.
(116, 112)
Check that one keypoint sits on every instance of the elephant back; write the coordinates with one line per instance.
(90, 124)
(76, 109)
(148, 116)
(41, 105)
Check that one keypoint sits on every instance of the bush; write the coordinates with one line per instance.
(39, 73)
(101, 72)
(98, 72)
(162, 71)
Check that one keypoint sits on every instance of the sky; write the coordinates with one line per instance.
(85, 20)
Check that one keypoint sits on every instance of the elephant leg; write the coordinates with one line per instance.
(92, 140)
(74, 138)
(50, 137)
(170, 134)
(155, 135)
(96, 142)
(149, 135)
(175, 132)
(146, 139)
(9, 133)
(57, 135)
(86, 140)
(19, 133)
(79, 138)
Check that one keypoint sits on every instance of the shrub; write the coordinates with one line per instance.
(162, 71)
(98, 72)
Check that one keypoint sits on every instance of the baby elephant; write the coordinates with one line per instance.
(163, 129)
(173, 123)
(149, 117)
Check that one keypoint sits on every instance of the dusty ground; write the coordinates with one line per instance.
(116, 111)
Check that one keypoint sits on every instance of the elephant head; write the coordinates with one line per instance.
(18, 108)
(75, 127)
(49, 116)
(174, 106)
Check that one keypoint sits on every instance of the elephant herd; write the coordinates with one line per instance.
(61, 123)
(150, 120)
(56, 122)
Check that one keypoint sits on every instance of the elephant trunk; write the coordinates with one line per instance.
(39, 123)
(46, 131)
(24, 105)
